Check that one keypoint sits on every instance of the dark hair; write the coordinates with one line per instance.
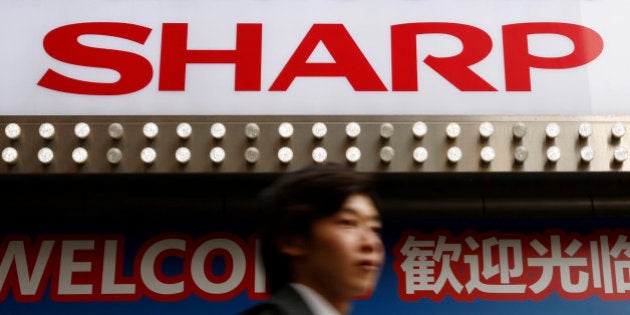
(293, 202)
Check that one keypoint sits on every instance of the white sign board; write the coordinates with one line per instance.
(314, 57)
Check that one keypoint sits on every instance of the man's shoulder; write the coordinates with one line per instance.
(286, 301)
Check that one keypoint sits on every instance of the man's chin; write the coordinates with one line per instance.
(364, 291)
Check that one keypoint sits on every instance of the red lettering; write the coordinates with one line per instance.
(349, 60)
(246, 57)
(220, 284)
(115, 286)
(476, 46)
(77, 275)
(168, 267)
(150, 267)
(63, 44)
(24, 268)
(518, 61)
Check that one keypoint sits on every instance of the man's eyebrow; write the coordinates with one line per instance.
(375, 217)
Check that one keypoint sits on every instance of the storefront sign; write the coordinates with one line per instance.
(250, 57)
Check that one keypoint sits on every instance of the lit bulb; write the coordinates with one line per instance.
(620, 154)
(353, 154)
(148, 155)
(552, 130)
(487, 154)
(353, 130)
(319, 130)
(79, 155)
(217, 155)
(420, 154)
(285, 130)
(82, 130)
(585, 130)
(47, 131)
(182, 155)
(319, 155)
(618, 130)
(217, 131)
(13, 131)
(45, 155)
(150, 130)
(454, 154)
(285, 155)
(587, 154)
(184, 130)
(486, 129)
(9, 155)
(553, 154)
(453, 130)
(419, 129)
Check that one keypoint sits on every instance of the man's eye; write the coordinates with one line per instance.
(348, 222)
(377, 229)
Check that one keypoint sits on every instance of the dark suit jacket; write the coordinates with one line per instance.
(284, 302)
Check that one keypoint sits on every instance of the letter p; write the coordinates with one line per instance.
(518, 61)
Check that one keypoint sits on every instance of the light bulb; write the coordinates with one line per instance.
(12, 131)
(150, 130)
(387, 154)
(285, 155)
(319, 155)
(82, 130)
(453, 130)
(148, 155)
(353, 154)
(217, 155)
(386, 130)
(252, 131)
(285, 130)
(116, 131)
(79, 155)
(353, 130)
(47, 131)
(184, 130)
(45, 155)
(319, 130)
(252, 155)
(419, 129)
(420, 154)
(217, 131)
(454, 154)
(182, 155)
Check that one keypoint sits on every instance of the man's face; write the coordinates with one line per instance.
(344, 253)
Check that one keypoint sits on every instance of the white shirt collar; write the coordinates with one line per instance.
(316, 302)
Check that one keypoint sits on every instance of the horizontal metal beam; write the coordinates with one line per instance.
(266, 144)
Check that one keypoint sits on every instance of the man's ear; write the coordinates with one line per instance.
(292, 246)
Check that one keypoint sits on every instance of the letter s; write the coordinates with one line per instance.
(62, 44)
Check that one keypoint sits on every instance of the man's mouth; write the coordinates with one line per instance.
(370, 265)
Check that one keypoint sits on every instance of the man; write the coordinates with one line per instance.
(321, 243)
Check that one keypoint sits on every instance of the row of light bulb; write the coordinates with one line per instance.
(217, 155)
(285, 154)
(319, 130)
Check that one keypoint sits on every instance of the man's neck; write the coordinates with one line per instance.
(314, 296)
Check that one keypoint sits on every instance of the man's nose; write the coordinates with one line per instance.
(371, 240)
